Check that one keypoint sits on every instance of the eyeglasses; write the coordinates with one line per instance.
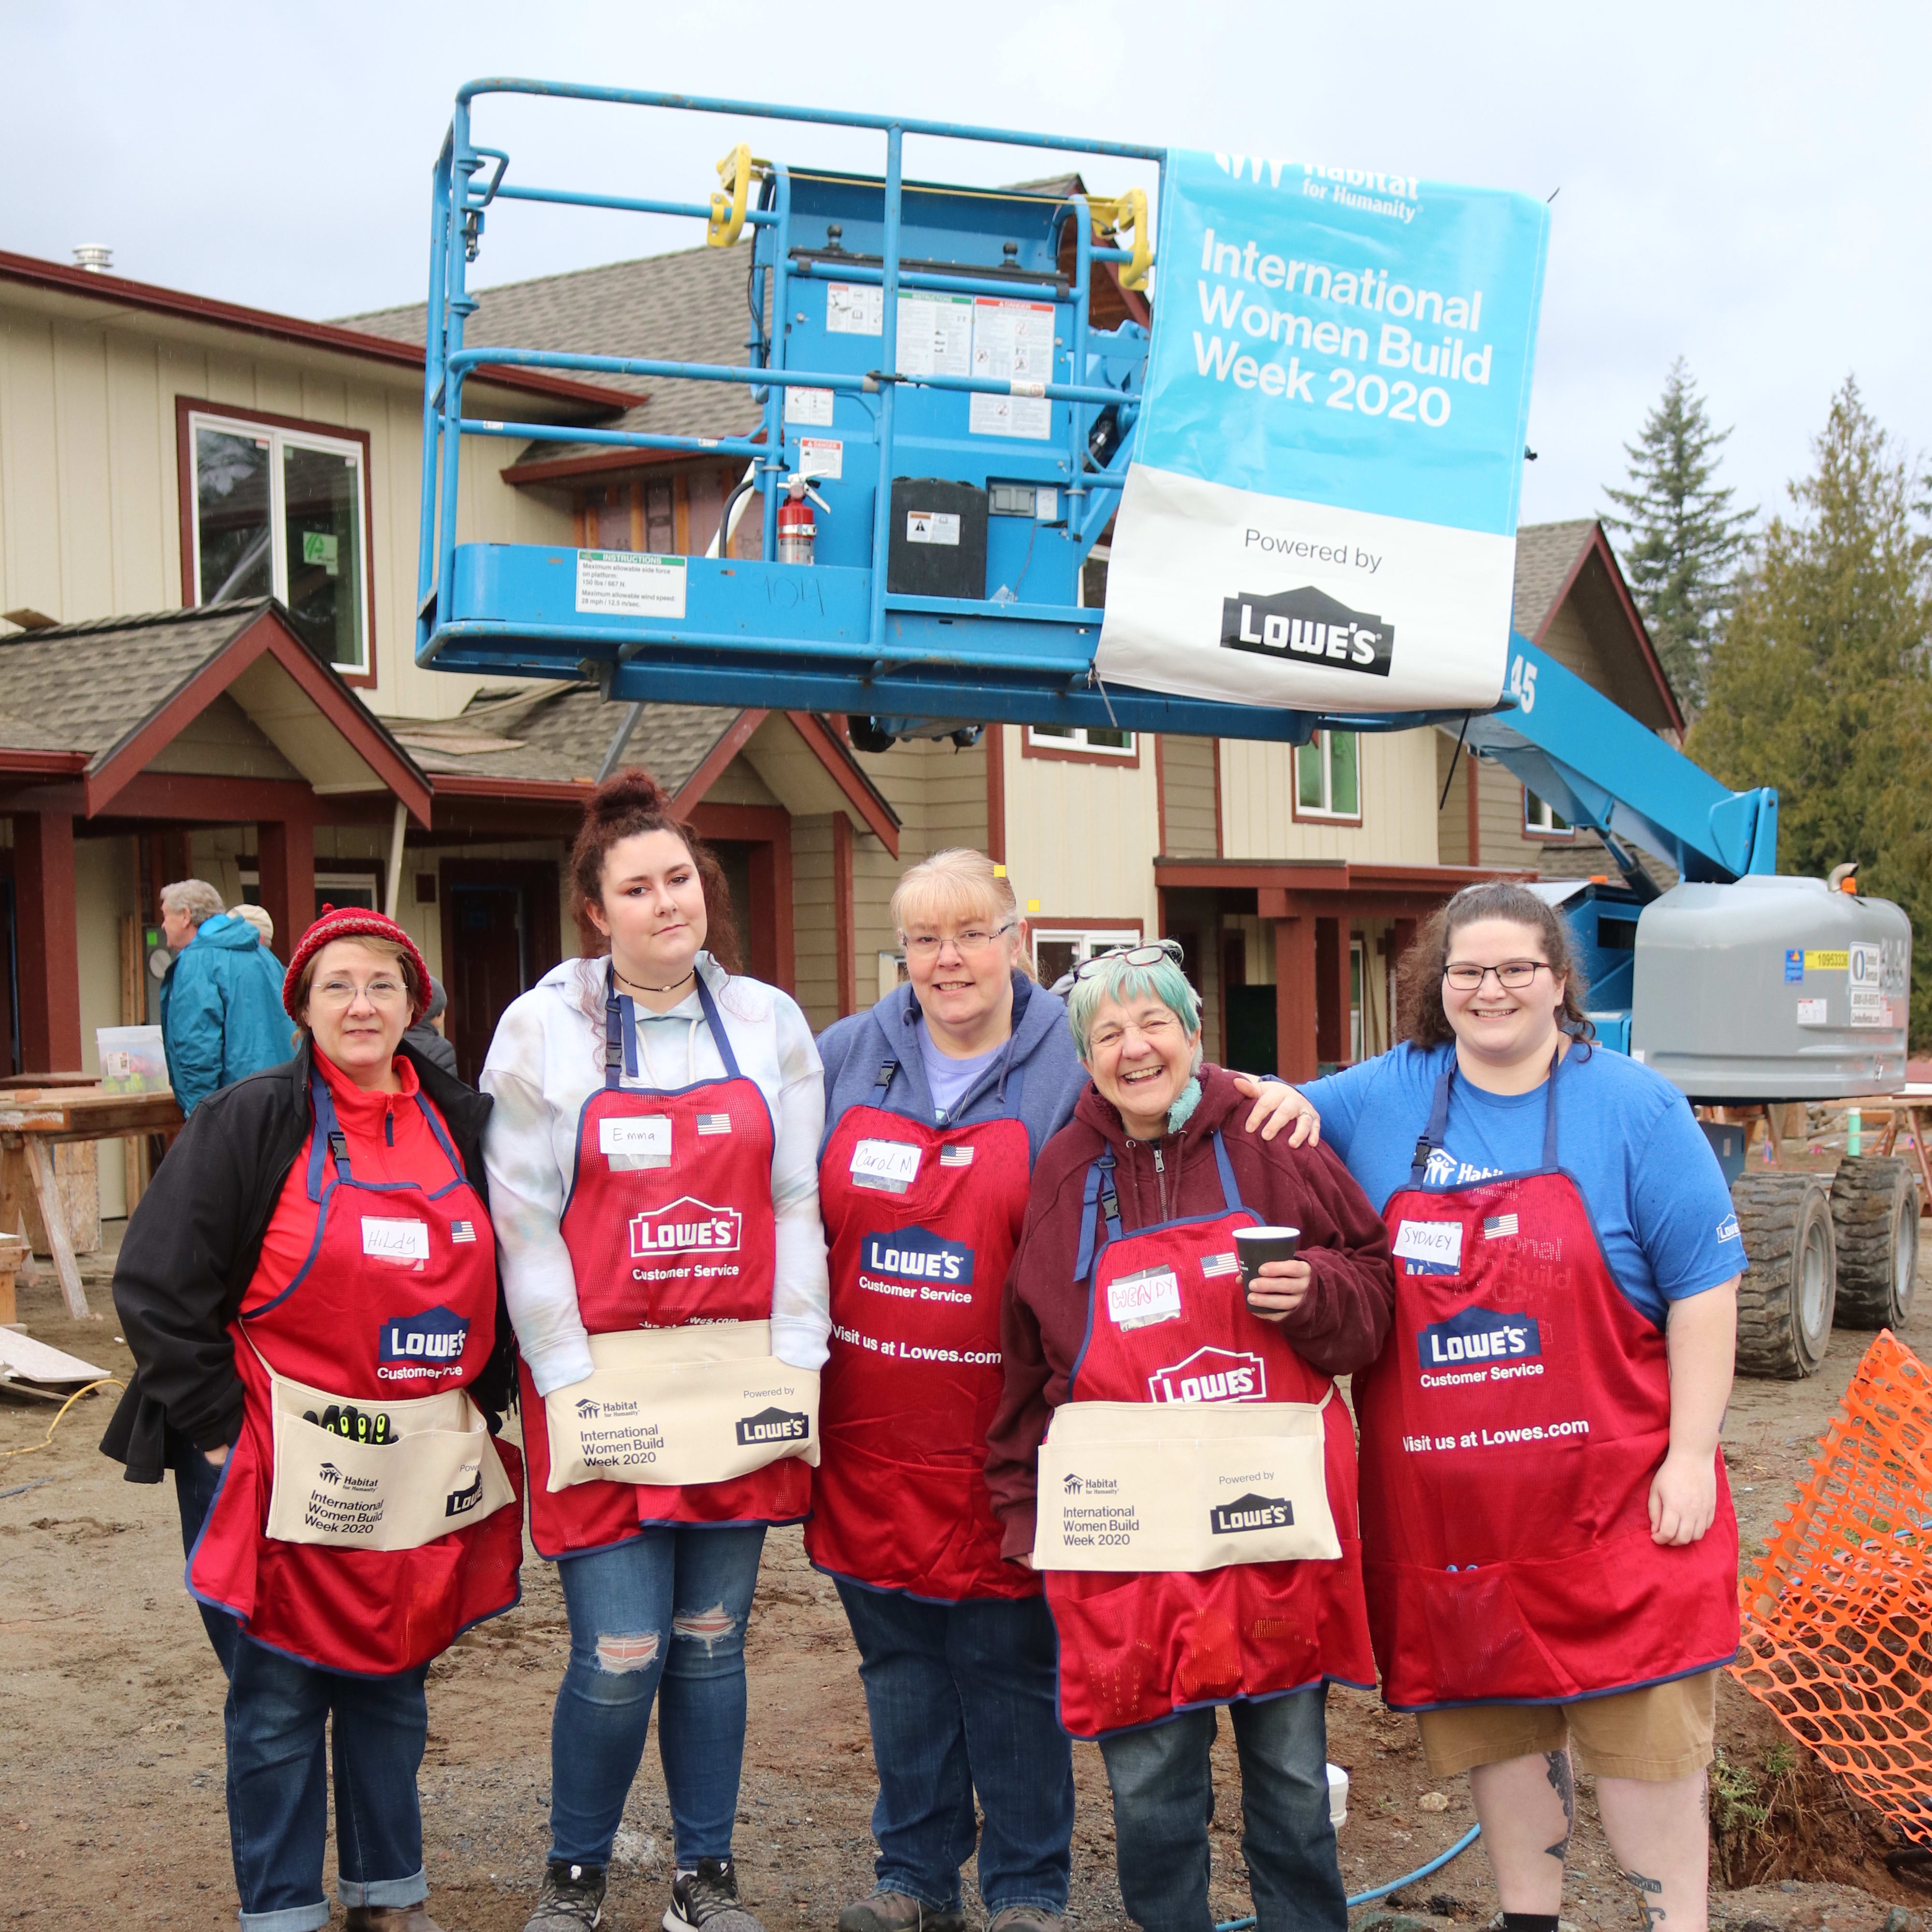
(1156, 1030)
(1514, 973)
(974, 939)
(345, 992)
(1151, 954)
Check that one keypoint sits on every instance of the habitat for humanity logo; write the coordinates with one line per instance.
(436, 1335)
(1251, 1512)
(1477, 1335)
(774, 1425)
(330, 1473)
(1308, 624)
(687, 1223)
(1089, 1486)
(1211, 1375)
(917, 1254)
(591, 1410)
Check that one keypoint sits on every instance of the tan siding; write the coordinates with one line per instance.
(1187, 774)
(1398, 826)
(1081, 839)
(30, 469)
(814, 915)
(1452, 824)
(224, 740)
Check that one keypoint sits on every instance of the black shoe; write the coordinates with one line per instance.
(571, 1899)
(708, 1897)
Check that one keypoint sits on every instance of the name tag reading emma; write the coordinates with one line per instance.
(1139, 1301)
(395, 1240)
(633, 1145)
(890, 1165)
(1435, 1247)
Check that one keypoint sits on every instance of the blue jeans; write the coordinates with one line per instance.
(961, 1698)
(278, 1788)
(671, 1604)
(196, 1481)
(1164, 1798)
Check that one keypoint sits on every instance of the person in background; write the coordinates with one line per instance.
(1560, 1572)
(940, 1098)
(426, 1037)
(260, 918)
(1125, 1297)
(221, 1001)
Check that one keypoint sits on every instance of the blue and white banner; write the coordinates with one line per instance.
(1321, 510)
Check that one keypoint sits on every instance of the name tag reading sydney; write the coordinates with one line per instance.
(1139, 1301)
(893, 1165)
(632, 1146)
(1438, 1244)
(395, 1241)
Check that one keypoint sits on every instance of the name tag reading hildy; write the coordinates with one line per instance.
(892, 1166)
(1139, 1301)
(389, 1240)
(1430, 1247)
(631, 1146)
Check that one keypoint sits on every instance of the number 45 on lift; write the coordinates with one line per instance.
(1522, 685)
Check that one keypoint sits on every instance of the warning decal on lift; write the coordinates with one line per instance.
(851, 308)
(1012, 343)
(627, 583)
(811, 407)
(821, 456)
(935, 335)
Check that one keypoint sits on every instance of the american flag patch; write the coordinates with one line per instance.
(1497, 1226)
(462, 1230)
(714, 1123)
(955, 1156)
(1213, 1264)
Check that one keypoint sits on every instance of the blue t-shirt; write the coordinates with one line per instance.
(947, 1079)
(1623, 1134)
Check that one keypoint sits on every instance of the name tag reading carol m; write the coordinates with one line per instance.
(394, 1239)
(887, 1164)
(1438, 1241)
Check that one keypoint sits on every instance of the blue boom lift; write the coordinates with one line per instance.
(873, 406)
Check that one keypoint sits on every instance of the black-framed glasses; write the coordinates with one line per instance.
(1150, 955)
(1513, 973)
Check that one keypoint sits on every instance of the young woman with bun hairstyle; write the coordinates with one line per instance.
(1547, 1537)
(653, 1164)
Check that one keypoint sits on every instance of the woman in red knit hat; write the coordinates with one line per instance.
(309, 1288)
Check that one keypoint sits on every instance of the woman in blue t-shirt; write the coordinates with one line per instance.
(1549, 1542)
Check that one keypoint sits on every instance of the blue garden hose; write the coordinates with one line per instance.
(1434, 1864)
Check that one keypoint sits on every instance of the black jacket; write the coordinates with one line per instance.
(192, 1243)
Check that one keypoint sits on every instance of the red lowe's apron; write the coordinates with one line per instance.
(1137, 1647)
(923, 1222)
(397, 1301)
(1510, 1431)
(669, 1222)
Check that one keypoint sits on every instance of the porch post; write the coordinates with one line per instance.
(1294, 1054)
(846, 953)
(286, 855)
(49, 976)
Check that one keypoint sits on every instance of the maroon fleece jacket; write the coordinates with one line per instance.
(1339, 1327)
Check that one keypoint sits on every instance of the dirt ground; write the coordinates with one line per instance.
(111, 1766)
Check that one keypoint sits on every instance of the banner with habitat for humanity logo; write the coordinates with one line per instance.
(1322, 511)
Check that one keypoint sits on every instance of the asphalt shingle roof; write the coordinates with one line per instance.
(1545, 554)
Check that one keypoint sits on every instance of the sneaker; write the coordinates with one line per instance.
(571, 1899)
(1025, 1918)
(888, 1911)
(709, 1896)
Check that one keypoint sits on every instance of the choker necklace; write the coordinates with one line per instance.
(638, 986)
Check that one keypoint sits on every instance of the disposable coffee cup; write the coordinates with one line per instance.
(1257, 1246)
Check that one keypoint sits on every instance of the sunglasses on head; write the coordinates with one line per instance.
(1150, 955)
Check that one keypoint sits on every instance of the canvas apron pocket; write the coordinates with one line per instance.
(440, 1473)
(700, 1404)
(1141, 1485)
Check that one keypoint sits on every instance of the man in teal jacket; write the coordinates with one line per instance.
(221, 1003)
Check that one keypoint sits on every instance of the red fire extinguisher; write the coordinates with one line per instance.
(798, 528)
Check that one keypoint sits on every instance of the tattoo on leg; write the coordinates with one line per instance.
(1654, 1916)
(1563, 1784)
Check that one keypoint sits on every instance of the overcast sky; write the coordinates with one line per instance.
(1743, 185)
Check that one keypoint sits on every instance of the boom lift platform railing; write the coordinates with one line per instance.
(836, 635)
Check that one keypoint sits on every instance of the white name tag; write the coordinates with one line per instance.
(892, 1164)
(631, 1145)
(1139, 1301)
(1439, 1242)
(395, 1241)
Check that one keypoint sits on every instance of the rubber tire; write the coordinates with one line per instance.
(1784, 1218)
(1875, 1207)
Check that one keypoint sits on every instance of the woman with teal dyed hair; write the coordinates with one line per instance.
(1216, 1562)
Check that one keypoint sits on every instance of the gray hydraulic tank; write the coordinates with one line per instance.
(1772, 989)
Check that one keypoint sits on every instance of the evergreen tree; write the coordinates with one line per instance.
(1820, 686)
(1683, 542)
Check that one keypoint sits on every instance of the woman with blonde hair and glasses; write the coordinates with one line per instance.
(939, 1099)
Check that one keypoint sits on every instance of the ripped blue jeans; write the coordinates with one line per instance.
(669, 1606)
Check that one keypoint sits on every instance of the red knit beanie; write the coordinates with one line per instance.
(351, 922)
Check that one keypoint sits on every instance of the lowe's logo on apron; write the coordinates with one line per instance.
(1251, 1512)
(686, 1223)
(1478, 1335)
(774, 1425)
(1211, 1375)
(916, 1254)
(430, 1344)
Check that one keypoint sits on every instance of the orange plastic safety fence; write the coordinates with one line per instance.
(1837, 1617)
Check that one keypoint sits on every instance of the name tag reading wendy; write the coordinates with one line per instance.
(892, 1166)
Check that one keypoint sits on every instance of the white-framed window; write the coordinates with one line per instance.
(361, 889)
(1058, 949)
(1102, 740)
(284, 512)
(1541, 819)
(1328, 776)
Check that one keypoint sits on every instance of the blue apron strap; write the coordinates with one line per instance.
(1438, 1125)
(718, 1033)
(1099, 1199)
(443, 1139)
(1549, 1111)
(620, 1036)
(328, 1142)
(1231, 1194)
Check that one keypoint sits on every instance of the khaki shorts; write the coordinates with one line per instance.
(1658, 1734)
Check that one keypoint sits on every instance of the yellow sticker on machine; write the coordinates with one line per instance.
(1827, 962)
